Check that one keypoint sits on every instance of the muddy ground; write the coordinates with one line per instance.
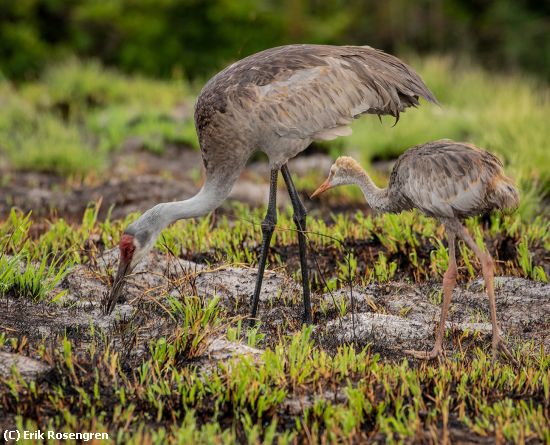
(391, 317)
(139, 179)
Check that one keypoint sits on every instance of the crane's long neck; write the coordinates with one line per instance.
(375, 196)
(214, 191)
(209, 197)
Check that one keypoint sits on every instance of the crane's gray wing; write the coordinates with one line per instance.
(319, 102)
(448, 179)
(311, 91)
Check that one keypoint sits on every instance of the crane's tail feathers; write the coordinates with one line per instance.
(506, 194)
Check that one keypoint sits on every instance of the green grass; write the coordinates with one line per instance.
(166, 398)
(78, 114)
(409, 239)
(242, 401)
(370, 247)
(21, 278)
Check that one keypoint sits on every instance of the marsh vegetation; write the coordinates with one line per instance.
(84, 149)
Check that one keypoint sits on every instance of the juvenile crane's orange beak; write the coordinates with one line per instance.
(322, 188)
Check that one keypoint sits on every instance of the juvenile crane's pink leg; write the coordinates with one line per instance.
(449, 282)
(487, 267)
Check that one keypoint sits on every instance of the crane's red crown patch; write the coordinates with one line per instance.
(127, 247)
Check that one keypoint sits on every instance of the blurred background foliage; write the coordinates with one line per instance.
(191, 38)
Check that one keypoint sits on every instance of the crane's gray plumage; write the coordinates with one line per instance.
(447, 180)
(277, 101)
(443, 179)
(282, 99)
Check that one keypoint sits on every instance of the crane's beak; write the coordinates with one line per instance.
(322, 188)
(122, 272)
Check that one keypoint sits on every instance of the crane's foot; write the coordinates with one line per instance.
(500, 345)
(425, 355)
(252, 323)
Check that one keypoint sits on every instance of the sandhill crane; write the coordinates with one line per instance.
(447, 180)
(277, 101)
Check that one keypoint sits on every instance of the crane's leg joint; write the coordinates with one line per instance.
(299, 217)
(268, 225)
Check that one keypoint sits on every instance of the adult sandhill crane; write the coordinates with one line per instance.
(277, 101)
(447, 180)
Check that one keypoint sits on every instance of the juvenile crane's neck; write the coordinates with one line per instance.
(375, 196)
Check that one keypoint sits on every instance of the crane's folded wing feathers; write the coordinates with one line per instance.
(449, 179)
(311, 91)
(320, 101)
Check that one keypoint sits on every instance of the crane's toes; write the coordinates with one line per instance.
(501, 346)
(425, 355)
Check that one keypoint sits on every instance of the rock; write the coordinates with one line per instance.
(30, 369)
(222, 349)
(405, 314)
(481, 328)
(233, 282)
(156, 271)
(520, 302)
(393, 332)
(381, 330)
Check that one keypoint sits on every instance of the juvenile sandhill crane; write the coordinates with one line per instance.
(449, 181)
(277, 101)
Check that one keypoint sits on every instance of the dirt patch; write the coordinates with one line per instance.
(418, 306)
(138, 179)
(28, 368)
(391, 317)
(177, 162)
(47, 196)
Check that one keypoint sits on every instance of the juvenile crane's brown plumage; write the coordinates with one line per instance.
(449, 181)
(277, 101)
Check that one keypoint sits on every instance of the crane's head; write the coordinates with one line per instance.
(135, 242)
(345, 170)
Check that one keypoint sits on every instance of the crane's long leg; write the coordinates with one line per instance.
(487, 267)
(268, 226)
(300, 213)
(449, 282)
